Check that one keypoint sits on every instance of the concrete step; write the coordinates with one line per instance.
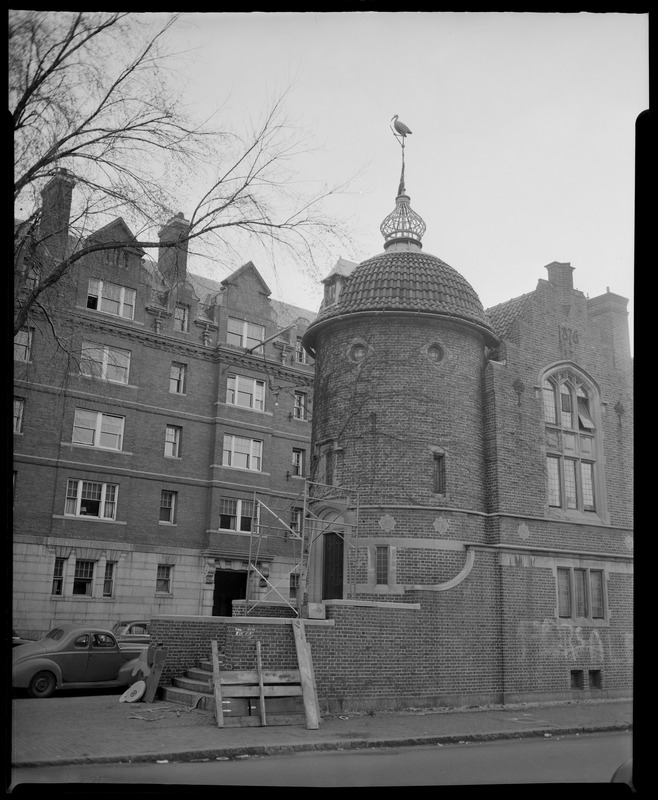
(241, 710)
(192, 684)
(188, 698)
(198, 674)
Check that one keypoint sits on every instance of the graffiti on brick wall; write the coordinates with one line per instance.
(550, 639)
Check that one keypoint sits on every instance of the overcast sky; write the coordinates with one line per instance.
(523, 142)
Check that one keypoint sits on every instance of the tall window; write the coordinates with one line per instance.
(294, 585)
(111, 298)
(247, 392)
(19, 407)
(168, 506)
(299, 408)
(298, 461)
(439, 476)
(570, 442)
(58, 577)
(105, 363)
(83, 577)
(236, 514)
(242, 453)
(95, 429)
(173, 441)
(296, 519)
(23, 345)
(177, 377)
(108, 579)
(182, 318)
(381, 565)
(91, 499)
(581, 593)
(241, 333)
(300, 353)
(163, 578)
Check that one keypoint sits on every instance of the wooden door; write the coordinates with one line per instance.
(332, 567)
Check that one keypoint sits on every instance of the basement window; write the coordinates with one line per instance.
(595, 679)
(577, 679)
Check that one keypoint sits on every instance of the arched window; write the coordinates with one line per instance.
(571, 442)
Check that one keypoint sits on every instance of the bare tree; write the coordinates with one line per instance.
(91, 93)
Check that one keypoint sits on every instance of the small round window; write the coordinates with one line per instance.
(435, 353)
(358, 352)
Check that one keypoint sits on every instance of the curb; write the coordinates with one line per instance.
(228, 753)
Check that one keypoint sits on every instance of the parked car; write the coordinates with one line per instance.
(73, 657)
(133, 635)
(16, 639)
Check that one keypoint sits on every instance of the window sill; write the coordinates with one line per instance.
(179, 394)
(244, 408)
(173, 458)
(168, 524)
(242, 469)
(583, 622)
(82, 518)
(94, 447)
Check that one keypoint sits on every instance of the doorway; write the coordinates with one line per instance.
(332, 566)
(230, 585)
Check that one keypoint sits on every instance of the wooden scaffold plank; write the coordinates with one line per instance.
(309, 692)
(217, 682)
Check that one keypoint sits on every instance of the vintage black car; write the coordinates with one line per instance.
(73, 657)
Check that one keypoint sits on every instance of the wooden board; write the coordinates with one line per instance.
(157, 658)
(311, 705)
(219, 707)
(287, 690)
(269, 676)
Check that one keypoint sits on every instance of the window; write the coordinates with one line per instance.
(298, 458)
(19, 406)
(325, 465)
(105, 363)
(177, 378)
(111, 298)
(173, 441)
(58, 577)
(439, 476)
(168, 506)
(577, 679)
(242, 453)
(241, 333)
(236, 515)
(91, 499)
(595, 681)
(294, 585)
(581, 593)
(163, 578)
(108, 579)
(330, 293)
(83, 577)
(23, 345)
(296, 519)
(95, 429)
(246, 392)
(299, 409)
(300, 353)
(182, 318)
(570, 442)
(381, 565)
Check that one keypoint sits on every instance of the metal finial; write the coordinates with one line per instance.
(403, 224)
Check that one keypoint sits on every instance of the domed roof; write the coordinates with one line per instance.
(408, 280)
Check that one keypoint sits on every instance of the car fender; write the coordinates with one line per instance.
(22, 673)
(132, 671)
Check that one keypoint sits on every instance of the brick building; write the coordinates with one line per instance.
(143, 437)
(467, 525)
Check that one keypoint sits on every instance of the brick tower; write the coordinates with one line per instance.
(398, 417)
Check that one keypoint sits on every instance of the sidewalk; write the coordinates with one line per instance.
(98, 728)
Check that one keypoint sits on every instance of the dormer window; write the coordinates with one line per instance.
(330, 293)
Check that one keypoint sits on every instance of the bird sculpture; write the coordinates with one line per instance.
(400, 127)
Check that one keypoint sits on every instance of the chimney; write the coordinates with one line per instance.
(609, 313)
(172, 261)
(56, 214)
(560, 276)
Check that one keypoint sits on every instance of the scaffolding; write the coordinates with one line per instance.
(301, 519)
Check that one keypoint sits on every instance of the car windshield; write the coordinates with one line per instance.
(55, 633)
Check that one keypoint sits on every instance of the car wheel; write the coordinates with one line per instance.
(42, 685)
